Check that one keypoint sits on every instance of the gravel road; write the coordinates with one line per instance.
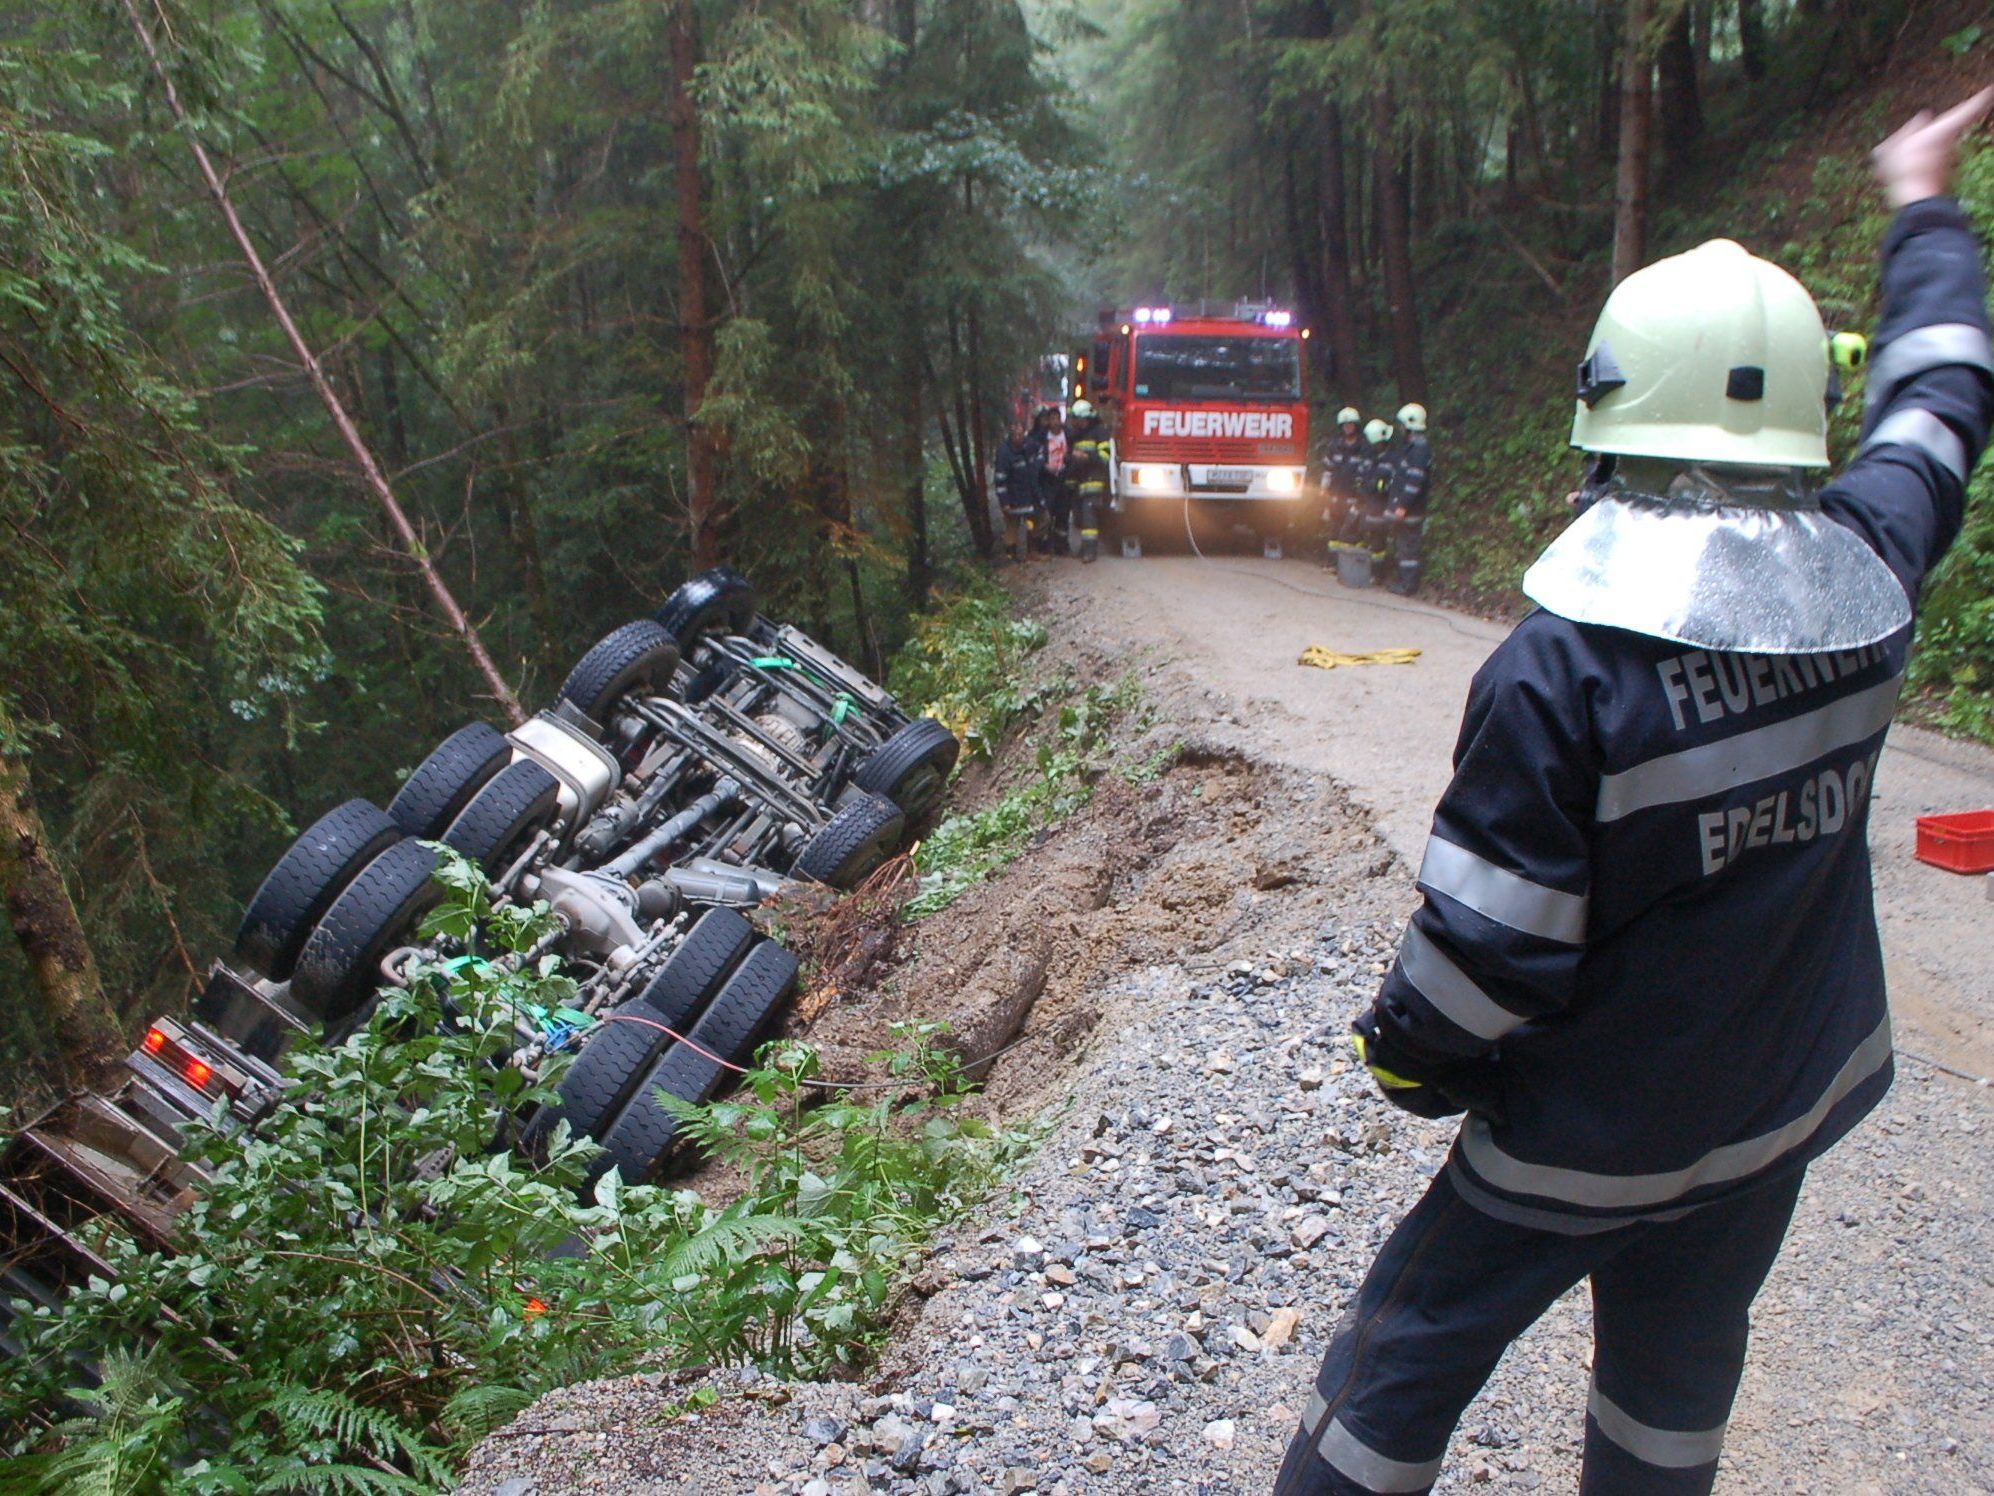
(1145, 1310)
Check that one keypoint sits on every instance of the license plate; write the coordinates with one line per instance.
(1241, 476)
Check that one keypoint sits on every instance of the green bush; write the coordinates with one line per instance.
(965, 664)
(363, 1288)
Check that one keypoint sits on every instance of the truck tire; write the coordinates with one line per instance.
(719, 598)
(854, 842)
(641, 653)
(503, 816)
(911, 768)
(596, 1087)
(712, 948)
(442, 784)
(641, 1141)
(340, 967)
(305, 881)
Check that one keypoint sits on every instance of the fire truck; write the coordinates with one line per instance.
(1210, 419)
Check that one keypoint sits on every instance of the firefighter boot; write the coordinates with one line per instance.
(1407, 581)
(1090, 545)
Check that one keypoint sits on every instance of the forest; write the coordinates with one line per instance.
(366, 359)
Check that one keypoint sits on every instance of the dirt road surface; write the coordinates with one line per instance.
(1145, 1308)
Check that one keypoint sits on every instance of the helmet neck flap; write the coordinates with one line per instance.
(1720, 556)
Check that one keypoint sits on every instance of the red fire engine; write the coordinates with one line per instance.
(1208, 411)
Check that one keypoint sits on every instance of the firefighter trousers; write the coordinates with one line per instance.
(1453, 1286)
(1089, 499)
(1407, 537)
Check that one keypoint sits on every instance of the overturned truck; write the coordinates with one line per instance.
(693, 764)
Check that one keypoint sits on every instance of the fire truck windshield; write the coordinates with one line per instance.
(1186, 366)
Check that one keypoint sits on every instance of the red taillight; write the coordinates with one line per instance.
(154, 1041)
(199, 1072)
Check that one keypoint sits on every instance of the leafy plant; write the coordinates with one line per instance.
(965, 663)
(364, 1286)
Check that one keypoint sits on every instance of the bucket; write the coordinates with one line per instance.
(1353, 566)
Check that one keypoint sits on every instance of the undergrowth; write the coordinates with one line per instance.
(965, 664)
(363, 1288)
(1067, 757)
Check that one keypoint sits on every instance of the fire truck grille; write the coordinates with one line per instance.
(1214, 449)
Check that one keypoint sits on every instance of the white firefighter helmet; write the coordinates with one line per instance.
(1350, 415)
(1710, 356)
(1080, 410)
(1412, 416)
(1706, 382)
(1377, 432)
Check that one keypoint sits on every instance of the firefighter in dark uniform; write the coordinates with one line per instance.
(1087, 475)
(1405, 496)
(1647, 964)
(1372, 525)
(1347, 456)
(1016, 467)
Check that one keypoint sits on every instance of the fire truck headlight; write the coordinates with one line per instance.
(1284, 480)
(1142, 477)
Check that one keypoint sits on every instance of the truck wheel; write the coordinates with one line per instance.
(712, 947)
(854, 842)
(305, 881)
(340, 966)
(600, 1081)
(640, 653)
(643, 1138)
(503, 816)
(719, 598)
(911, 768)
(443, 784)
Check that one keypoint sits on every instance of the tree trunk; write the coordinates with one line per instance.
(1752, 38)
(920, 573)
(1395, 236)
(516, 513)
(1338, 302)
(1679, 97)
(695, 327)
(349, 434)
(1630, 195)
(75, 1012)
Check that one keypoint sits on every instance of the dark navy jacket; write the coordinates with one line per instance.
(1648, 936)
(1343, 466)
(1411, 475)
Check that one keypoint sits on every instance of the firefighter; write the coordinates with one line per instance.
(1647, 964)
(1372, 526)
(1405, 495)
(1341, 463)
(1016, 466)
(1087, 475)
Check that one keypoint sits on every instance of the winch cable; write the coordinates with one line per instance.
(819, 1085)
(1355, 602)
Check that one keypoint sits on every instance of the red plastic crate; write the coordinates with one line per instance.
(1962, 842)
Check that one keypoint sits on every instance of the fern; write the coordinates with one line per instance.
(354, 1428)
(476, 1411)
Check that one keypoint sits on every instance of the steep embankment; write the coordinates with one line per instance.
(1510, 297)
(1145, 1308)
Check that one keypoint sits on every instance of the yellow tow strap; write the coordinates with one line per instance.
(1329, 659)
